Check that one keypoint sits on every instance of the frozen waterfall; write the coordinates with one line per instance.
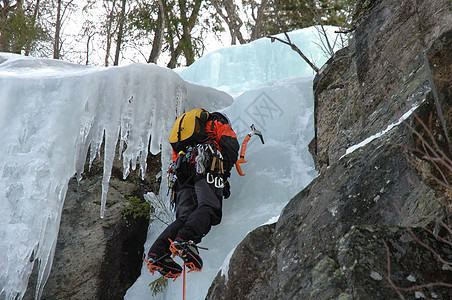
(54, 115)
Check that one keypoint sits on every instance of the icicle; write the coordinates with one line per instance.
(50, 124)
(109, 155)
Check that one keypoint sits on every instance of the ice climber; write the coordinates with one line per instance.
(205, 148)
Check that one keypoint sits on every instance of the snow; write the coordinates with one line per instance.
(225, 266)
(366, 141)
(55, 114)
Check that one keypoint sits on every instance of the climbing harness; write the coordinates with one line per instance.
(242, 160)
(207, 160)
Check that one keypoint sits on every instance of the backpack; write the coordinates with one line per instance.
(189, 129)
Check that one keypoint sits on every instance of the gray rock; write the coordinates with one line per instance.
(98, 258)
(328, 241)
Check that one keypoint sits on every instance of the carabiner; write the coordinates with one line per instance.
(219, 183)
(210, 178)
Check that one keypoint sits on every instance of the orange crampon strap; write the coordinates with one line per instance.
(172, 276)
(173, 249)
(152, 268)
(177, 252)
(192, 267)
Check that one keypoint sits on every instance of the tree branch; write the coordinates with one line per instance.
(296, 49)
(289, 42)
(435, 97)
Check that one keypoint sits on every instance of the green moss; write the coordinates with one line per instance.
(302, 227)
(354, 265)
(426, 206)
(323, 269)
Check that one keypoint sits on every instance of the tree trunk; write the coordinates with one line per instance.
(185, 40)
(231, 18)
(3, 39)
(17, 41)
(158, 37)
(120, 32)
(185, 44)
(109, 24)
(87, 48)
(171, 36)
(33, 23)
(5, 36)
(257, 31)
(56, 43)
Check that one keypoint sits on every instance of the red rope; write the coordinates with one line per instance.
(184, 284)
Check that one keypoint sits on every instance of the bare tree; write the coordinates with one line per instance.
(168, 25)
(292, 45)
(229, 12)
(187, 19)
(432, 146)
(33, 24)
(296, 49)
(257, 13)
(120, 31)
(89, 34)
(233, 15)
(62, 13)
(159, 34)
(109, 32)
(56, 42)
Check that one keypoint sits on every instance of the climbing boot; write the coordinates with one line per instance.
(164, 264)
(189, 253)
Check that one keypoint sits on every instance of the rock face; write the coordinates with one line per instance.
(337, 237)
(99, 258)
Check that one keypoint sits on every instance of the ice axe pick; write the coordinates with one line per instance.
(242, 160)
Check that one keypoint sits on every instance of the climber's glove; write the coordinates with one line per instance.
(226, 190)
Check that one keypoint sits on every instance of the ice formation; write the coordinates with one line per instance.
(52, 114)
(238, 68)
(283, 110)
(55, 114)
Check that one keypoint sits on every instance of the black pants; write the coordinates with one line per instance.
(198, 208)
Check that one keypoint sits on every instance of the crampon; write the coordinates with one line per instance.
(188, 251)
(165, 266)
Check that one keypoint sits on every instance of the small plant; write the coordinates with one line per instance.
(137, 208)
(157, 286)
(160, 209)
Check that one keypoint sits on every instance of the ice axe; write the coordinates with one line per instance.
(242, 160)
